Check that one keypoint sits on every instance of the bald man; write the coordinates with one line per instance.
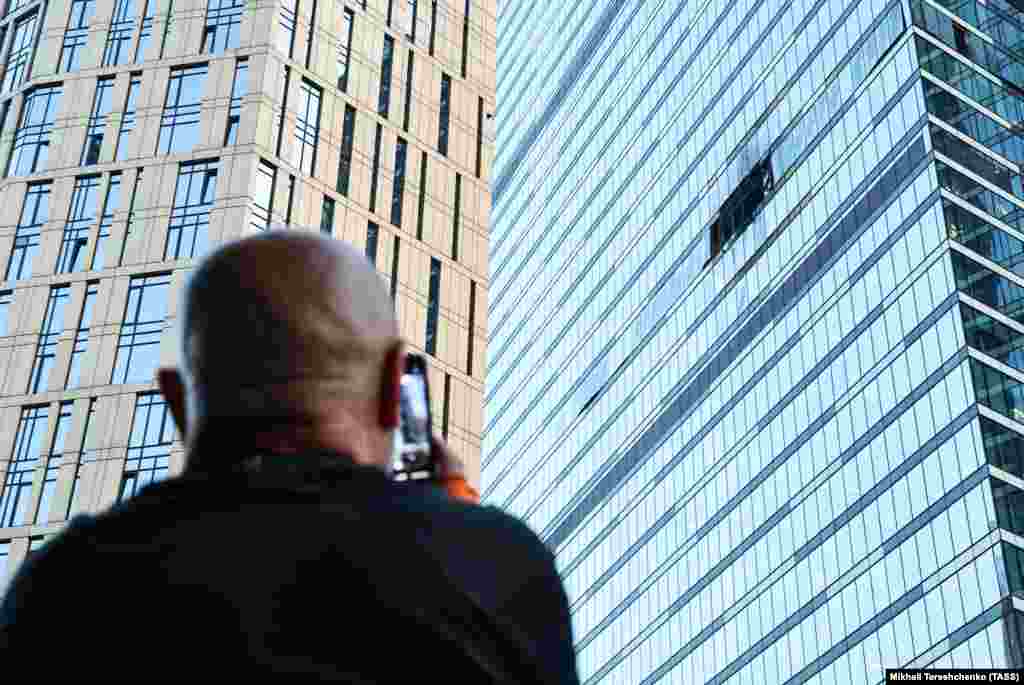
(285, 548)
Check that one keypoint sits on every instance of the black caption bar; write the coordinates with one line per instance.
(959, 675)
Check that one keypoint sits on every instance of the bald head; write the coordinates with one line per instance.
(286, 327)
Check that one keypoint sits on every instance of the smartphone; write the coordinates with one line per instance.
(413, 458)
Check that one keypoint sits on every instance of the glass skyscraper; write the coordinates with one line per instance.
(756, 355)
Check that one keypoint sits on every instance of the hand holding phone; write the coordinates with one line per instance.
(414, 458)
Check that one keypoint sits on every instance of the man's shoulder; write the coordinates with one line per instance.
(484, 540)
(485, 518)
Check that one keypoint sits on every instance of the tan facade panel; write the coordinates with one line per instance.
(108, 241)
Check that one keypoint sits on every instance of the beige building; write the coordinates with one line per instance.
(138, 134)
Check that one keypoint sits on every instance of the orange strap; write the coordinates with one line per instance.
(458, 488)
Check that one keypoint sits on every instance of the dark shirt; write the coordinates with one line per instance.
(296, 567)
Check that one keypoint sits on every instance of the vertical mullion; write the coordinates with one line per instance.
(312, 30)
(408, 92)
(465, 39)
(455, 216)
(394, 269)
(423, 196)
(472, 327)
(284, 109)
(376, 168)
(479, 135)
(445, 409)
(433, 27)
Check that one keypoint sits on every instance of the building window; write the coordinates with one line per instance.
(32, 139)
(179, 125)
(81, 217)
(433, 305)
(147, 30)
(384, 101)
(223, 19)
(472, 327)
(408, 92)
(149, 447)
(372, 232)
(82, 336)
(128, 119)
(375, 171)
(85, 455)
(13, 6)
(77, 34)
(456, 211)
(111, 204)
(394, 267)
(446, 102)
(138, 345)
(20, 53)
(188, 232)
(97, 122)
(28, 447)
(307, 126)
(119, 38)
(46, 349)
(34, 213)
(263, 196)
(53, 462)
(398, 187)
(344, 58)
(327, 217)
(286, 26)
(740, 209)
(348, 135)
(421, 210)
(6, 296)
(239, 89)
(130, 224)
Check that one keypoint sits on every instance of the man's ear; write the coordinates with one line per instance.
(391, 389)
(173, 389)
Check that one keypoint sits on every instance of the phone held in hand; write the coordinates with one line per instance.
(413, 458)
